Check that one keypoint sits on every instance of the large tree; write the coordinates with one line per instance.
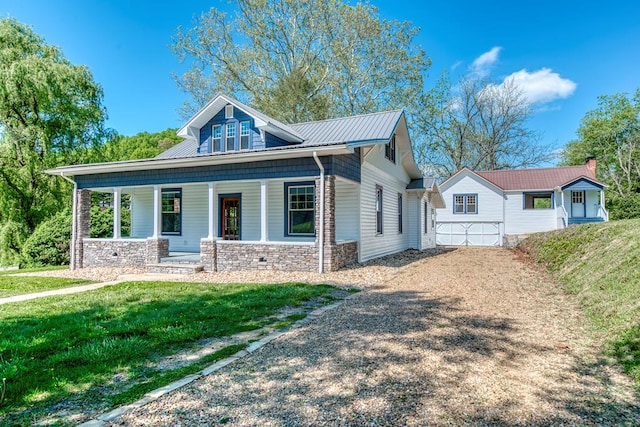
(611, 133)
(478, 124)
(302, 60)
(50, 114)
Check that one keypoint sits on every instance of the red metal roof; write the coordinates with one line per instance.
(537, 179)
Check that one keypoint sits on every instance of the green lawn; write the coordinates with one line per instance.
(18, 285)
(69, 347)
(599, 263)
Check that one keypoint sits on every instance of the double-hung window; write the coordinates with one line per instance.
(465, 204)
(245, 132)
(172, 211)
(378, 210)
(390, 149)
(216, 137)
(301, 208)
(231, 137)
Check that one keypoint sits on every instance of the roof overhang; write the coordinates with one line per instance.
(287, 152)
(583, 183)
(430, 186)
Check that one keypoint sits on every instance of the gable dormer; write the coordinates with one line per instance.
(227, 125)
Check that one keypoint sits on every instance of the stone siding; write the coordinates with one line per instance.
(344, 254)
(208, 250)
(266, 256)
(115, 253)
(156, 249)
(83, 226)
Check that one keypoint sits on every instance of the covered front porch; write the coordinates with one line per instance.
(300, 223)
(581, 202)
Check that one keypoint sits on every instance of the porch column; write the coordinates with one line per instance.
(601, 199)
(157, 211)
(116, 213)
(212, 191)
(264, 225)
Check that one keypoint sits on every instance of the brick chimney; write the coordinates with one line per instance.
(591, 164)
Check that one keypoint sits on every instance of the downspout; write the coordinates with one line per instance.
(321, 237)
(72, 244)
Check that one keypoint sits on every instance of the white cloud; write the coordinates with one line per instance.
(482, 64)
(543, 85)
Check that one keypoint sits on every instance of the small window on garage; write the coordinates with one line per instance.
(465, 204)
(538, 200)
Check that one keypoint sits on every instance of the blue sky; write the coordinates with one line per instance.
(564, 53)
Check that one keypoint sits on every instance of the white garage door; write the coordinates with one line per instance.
(468, 233)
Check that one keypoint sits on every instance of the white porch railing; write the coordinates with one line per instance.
(563, 217)
(602, 212)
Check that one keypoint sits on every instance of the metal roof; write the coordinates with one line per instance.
(186, 148)
(363, 128)
(537, 179)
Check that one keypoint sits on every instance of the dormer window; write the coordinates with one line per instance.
(216, 137)
(390, 149)
(245, 131)
(231, 136)
(228, 112)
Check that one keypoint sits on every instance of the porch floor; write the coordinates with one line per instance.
(181, 257)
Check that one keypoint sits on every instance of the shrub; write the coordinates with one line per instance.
(12, 237)
(49, 243)
(102, 222)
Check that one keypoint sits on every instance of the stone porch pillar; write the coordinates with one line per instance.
(329, 263)
(82, 218)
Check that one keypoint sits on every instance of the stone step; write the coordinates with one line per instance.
(175, 268)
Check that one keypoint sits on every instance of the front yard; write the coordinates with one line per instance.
(104, 346)
(19, 285)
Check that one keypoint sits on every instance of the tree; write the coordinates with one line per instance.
(143, 145)
(50, 114)
(478, 124)
(302, 60)
(611, 133)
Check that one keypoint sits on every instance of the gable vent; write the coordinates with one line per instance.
(228, 112)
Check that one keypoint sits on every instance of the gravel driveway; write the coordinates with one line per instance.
(469, 337)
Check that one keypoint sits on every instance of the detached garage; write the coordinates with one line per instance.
(468, 233)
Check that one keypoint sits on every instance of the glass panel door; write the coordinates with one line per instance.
(230, 218)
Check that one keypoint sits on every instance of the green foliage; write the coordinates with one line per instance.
(143, 145)
(299, 61)
(611, 134)
(50, 114)
(70, 346)
(599, 263)
(49, 243)
(102, 222)
(13, 234)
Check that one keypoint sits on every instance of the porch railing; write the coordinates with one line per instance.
(563, 217)
(602, 212)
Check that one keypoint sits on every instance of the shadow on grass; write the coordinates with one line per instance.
(421, 363)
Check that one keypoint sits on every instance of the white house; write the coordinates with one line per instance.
(492, 208)
(244, 191)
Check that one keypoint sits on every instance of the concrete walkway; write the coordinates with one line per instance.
(147, 277)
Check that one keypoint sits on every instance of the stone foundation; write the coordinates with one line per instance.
(512, 240)
(266, 256)
(208, 252)
(340, 255)
(123, 252)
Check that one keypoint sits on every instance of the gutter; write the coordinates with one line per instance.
(72, 244)
(321, 237)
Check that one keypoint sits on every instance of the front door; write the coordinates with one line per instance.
(230, 218)
(577, 204)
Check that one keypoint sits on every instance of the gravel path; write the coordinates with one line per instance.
(469, 337)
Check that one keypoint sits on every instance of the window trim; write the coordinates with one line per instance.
(400, 219)
(425, 223)
(228, 111)
(537, 193)
(465, 203)
(390, 149)
(228, 126)
(248, 135)
(379, 201)
(162, 192)
(288, 185)
(213, 144)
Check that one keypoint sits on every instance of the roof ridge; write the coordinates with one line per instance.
(531, 169)
(348, 117)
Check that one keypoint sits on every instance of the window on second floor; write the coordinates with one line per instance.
(390, 149)
(231, 137)
(245, 133)
(465, 203)
(216, 136)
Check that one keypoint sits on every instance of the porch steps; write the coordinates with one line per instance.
(576, 221)
(175, 268)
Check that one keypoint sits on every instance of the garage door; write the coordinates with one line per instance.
(468, 233)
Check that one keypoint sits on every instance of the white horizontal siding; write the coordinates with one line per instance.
(142, 212)
(413, 220)
(522, 221)
(428, 236)
(249, 206)
(194, 219)
(346, 213)
(371, 244)
(490, 200)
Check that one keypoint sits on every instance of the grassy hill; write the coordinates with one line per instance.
(600, 263)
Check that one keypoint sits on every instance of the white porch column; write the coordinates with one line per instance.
(264, 224)
(157, 211)
(116, 212)
(212, 191)
(602, 198)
